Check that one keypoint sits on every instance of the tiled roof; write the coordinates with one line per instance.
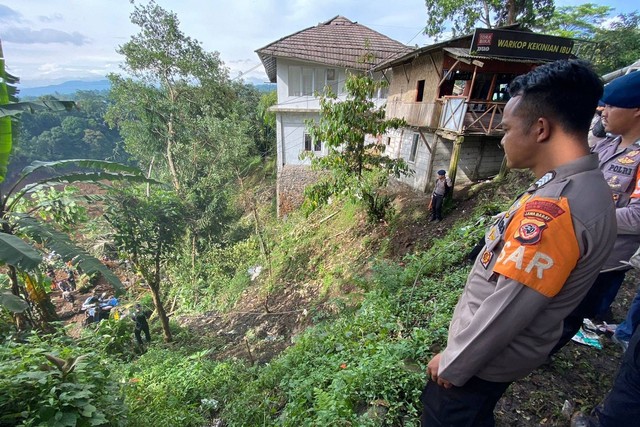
(338, 42)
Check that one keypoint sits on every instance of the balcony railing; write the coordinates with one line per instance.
(484, 117)
(452, 113)
(415, 113)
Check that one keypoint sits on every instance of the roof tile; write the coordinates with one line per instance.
(338, 42)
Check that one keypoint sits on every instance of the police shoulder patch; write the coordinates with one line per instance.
(486, 258)
(540, 247)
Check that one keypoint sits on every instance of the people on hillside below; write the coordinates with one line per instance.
(71, 277)
(98, 308)
(142, 325)
(619, 158)
(441, 188)
(64, 286)
(68, 296)
(540, 256)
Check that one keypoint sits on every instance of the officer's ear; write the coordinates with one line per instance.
(542, 129)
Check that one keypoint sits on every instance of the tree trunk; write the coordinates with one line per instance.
(453, 164)
(155, 290)
(170, 162)
(504, 170)
(162, 314)
(19, 319)
(511, 16)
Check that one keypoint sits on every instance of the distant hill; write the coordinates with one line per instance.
(72, 86)
(65, 88)
(265, 87)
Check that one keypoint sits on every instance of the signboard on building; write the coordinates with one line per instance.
(518, 44)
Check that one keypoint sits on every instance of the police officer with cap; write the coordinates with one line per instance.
(619, 158)
(440, 189)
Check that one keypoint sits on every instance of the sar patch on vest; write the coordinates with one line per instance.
(537, 213)
(543, 264)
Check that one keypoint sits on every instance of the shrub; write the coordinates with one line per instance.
(170, 388)
(52, 381)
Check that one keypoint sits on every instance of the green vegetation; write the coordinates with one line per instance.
(317, 319)
(355, 163)
(57, 381)
(609, 41)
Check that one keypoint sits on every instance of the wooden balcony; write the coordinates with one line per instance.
(420, 114)
(453, 114)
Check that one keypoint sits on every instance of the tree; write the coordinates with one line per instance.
(580, 21)
(464, 16)
(147, 230)
(351, 130)
(157, 106)
(610, 42)
(182, 118)
(268, 138)
(22, 236)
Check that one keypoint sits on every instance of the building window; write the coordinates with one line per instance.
(332, 80)
(295, 81)
(305, 81)
(383, 92)
(420, 94)
(388, 141)
(414, 148)
(310, 143)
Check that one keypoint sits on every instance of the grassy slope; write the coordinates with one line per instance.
(375, 314)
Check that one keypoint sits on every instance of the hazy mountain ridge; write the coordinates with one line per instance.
(72, 86)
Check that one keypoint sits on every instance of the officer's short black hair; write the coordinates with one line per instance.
(565, 91)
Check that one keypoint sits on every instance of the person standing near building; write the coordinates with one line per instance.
(619, 158)
(541, 255)
(440, 190)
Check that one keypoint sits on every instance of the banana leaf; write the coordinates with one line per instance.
(15, 251)
(12, 303)
(93, 177)
(5, 122)
(60, 242)
(13, 109)
(83, 163)
(111, 171)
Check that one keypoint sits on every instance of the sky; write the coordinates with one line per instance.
(51, 41)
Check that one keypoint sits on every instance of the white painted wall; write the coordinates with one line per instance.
(291, 129)
(293, 109)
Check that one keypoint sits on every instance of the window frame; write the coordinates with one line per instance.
(414, 148)
(420, 90)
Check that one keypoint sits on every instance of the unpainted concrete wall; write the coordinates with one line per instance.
(292, 180)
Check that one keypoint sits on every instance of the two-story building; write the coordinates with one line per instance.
(303, 65)
(452, 95)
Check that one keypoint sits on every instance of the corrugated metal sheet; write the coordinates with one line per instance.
(459, 52)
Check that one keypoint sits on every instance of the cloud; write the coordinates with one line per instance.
(51, 18)
(23, 35)
(9, 15)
